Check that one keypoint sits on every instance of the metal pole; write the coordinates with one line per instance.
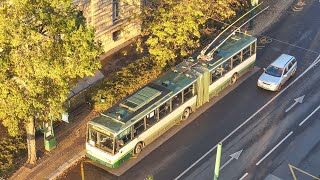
(51, 124)
(218, 158)
(82, 171)
(252, 4)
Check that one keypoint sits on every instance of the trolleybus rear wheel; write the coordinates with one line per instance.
(234, 78)
(185, 114)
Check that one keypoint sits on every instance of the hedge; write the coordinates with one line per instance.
(120, 84)
(11, 150)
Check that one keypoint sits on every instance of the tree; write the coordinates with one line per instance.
(45, 47)
(172, 27)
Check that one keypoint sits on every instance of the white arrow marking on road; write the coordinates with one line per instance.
(297, 100)
(233, 156)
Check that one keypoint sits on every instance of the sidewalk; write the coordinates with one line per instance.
(70, 148)
(266, 19)
(71, 137)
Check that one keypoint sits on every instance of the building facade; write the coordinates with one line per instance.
(116, 21)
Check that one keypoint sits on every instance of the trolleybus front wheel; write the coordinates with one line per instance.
(138, 148)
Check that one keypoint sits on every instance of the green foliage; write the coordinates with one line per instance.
(220, 9)
(45, 48)
(172, 27)
(11, 149)
(122, 83)
(149, 177)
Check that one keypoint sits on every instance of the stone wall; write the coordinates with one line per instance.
(113, 29)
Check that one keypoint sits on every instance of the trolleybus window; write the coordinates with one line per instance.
(253, 48)
(92, 137)
(151, 118)
(138, 128)
(246, 53)
(188, 93)
(105, 142)
(101, 140)
(216, 74)
(176, 100)
(125, 136)
(226, 66)
(164, 109)
(236, 60)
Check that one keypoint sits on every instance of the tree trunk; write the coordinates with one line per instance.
(31, 142)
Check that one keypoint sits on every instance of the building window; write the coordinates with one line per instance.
(115, 10)
(116, 35)
(144, 2)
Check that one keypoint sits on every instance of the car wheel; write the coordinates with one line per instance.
(279, 87)
(294, 72)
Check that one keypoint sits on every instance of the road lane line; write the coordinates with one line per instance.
(273, 148)
(251, 117)
(242, 177)
(299, 47)
(317, 60)
(309, 116)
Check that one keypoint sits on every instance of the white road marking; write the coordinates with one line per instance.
(242, 177)
(283, 42)
(317, 60)
(233, 156)
(309, 116)
(202, 157)
(297, 100)
(264, 157)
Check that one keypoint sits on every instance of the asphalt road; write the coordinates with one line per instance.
(296, 33)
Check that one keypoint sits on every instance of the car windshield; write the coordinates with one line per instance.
(100, 140)
(274, 71)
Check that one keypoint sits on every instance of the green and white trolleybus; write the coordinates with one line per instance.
(126, 128)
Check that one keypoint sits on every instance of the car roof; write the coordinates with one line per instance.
(282, 60)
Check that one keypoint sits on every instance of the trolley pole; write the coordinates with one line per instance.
(218, 158)
(252, 4)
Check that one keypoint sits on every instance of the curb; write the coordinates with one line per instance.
(66, 165)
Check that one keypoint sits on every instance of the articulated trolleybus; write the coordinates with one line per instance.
(126, 128)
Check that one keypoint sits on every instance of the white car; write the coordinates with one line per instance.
(278, 72)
